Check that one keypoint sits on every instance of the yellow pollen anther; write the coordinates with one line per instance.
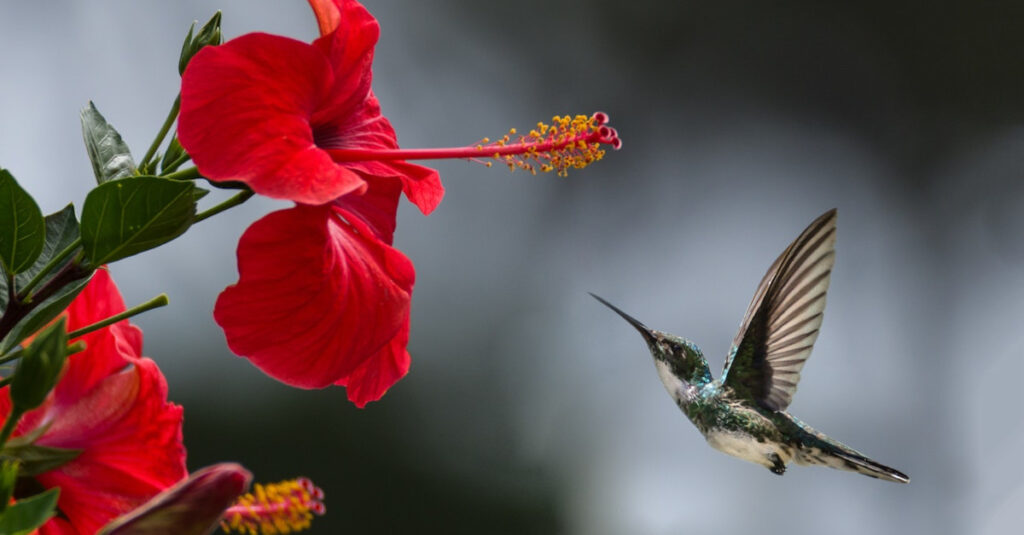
(569, 142)
(275, 509)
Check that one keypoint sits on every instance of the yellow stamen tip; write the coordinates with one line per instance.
(569, 142)
(275, 509)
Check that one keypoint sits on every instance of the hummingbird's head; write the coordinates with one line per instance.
(673, 354)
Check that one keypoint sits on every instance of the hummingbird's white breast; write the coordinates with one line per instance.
(746, 447)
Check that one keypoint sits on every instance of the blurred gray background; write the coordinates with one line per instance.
(530, 408)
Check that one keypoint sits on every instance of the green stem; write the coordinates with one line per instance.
(156, 302)
(27, 290)
(240, 198)
(171, 116)
(76, 347)
(185, 174)
(12, 421)
(17, 351)
(177, 163)
(6, 381)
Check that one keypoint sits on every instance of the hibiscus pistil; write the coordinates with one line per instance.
(567, 143)
(284, 507)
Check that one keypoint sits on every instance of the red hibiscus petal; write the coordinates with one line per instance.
(328, 14)
(349, 49)
(107, 349)
(245, 116)
(58, 526)
(372, 379)
(331, 13)
(376, 208)
(422, 185)
(132, 447)
(98, 301)
(365, 127)
(316, 296)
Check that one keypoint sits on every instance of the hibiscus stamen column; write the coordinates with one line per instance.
(568, 143)
(283, 507)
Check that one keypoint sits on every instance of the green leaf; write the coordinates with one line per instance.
(61, 232)
(39, 367)
(132, 215)
(109, 154)
(28, 514)
(43, 313)
(199, 193)
(22, 229)
(35, 459)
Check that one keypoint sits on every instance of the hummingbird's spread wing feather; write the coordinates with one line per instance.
(782, 321)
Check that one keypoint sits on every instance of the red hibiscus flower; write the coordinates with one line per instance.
(111, 404)
(322, 297)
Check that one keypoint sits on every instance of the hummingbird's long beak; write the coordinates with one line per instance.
(644, 331)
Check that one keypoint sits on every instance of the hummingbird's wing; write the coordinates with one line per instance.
(782, 322)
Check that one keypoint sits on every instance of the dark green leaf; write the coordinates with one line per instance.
(28, 514)
(108, 153)
(22, 229)
(39, 367)
(37, 459)
(61, 232)
(199, 193)
(43, 313)
(128, 216)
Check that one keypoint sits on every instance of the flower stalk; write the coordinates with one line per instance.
(172, 115)
(156, 302)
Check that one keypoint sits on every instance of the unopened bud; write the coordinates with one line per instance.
(192, 507)
(209, 34)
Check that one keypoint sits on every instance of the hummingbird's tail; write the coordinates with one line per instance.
(817, 448)
(846, 459)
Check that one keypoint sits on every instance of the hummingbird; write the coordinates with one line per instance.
(744, 413)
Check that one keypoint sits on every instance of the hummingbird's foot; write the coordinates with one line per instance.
(778, 467)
